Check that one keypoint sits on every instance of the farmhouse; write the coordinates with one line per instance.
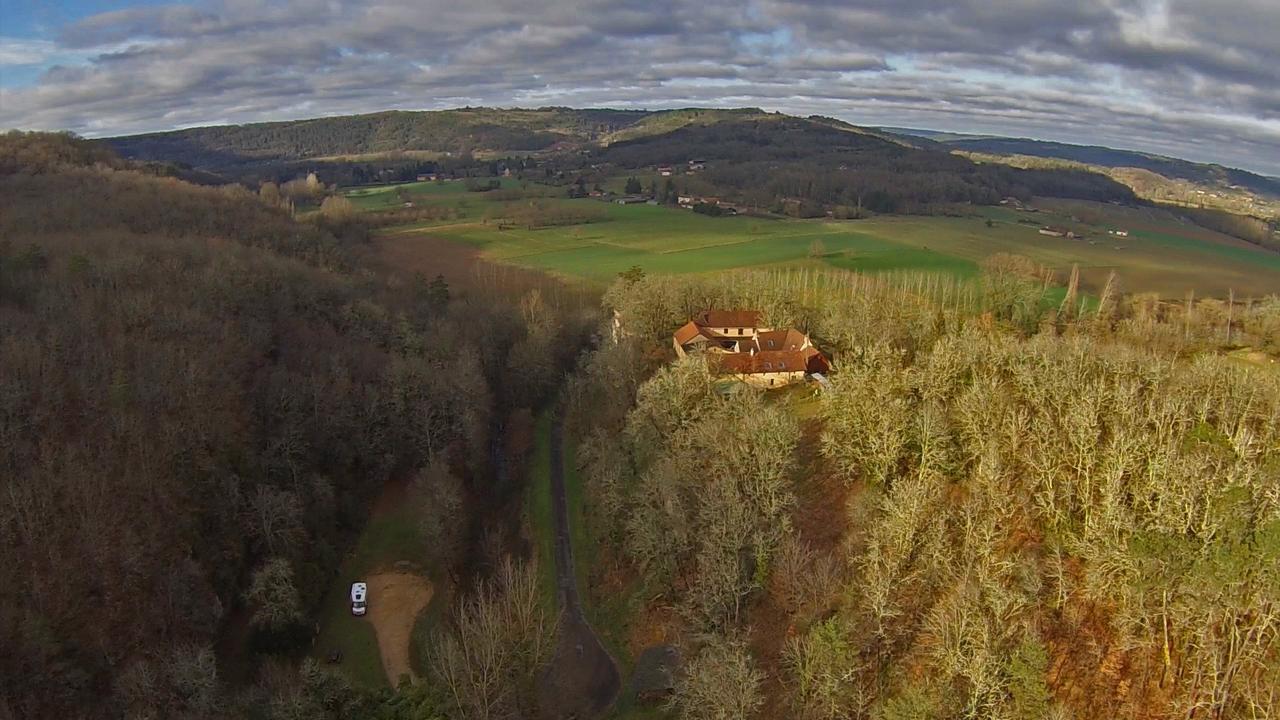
(1052, 231)
(688, 202)
(665, 170)
(737, 344)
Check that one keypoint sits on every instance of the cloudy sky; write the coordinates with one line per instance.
(1189, 78)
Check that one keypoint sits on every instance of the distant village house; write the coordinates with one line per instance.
(1059, 232)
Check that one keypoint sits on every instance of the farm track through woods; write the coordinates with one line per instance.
(583, 680)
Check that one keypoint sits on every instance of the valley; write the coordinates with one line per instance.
(460, 388)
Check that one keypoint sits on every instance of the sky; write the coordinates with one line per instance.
(1187, 78)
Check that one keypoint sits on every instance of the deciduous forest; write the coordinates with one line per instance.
(201, 398)
(766, 159)
(983, 517)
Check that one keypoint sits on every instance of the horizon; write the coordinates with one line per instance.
(886, 128)
(519, 108)
(1145, 76)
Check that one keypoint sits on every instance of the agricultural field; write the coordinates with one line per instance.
(664, 240)
(447, 192)
(1161, 254)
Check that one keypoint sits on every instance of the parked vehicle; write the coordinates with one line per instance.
(359, 598)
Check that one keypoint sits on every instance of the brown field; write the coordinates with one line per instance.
(402, 255)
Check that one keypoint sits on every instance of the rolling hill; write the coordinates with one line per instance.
(445, 131)
(816, 159)
(497, 130)
(1203, 174)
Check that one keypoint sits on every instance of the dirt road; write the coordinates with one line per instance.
(395, 600)
(582, 681)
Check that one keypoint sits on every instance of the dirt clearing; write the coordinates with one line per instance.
(395, 601)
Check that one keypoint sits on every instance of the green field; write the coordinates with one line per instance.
(664, 240)
(1162, 254)
(386, 197)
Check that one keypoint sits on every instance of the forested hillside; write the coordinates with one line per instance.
(444, 131)
(994, 512)
(201, 398)
(766, 159)
(759, 158)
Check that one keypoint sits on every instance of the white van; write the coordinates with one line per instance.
(359, 595)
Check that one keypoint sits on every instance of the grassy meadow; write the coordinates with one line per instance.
(1162, 254)
(392, 540)
(448, 192)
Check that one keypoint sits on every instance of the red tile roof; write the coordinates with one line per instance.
(788, 339)
(782, 350)
(728, 318)
(688, 332)
(767, 361)
(815, 361)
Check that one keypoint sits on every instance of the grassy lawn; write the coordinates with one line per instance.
(538, 510)
(391, 537)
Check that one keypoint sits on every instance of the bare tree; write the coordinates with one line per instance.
(720, 683)
(500, 637)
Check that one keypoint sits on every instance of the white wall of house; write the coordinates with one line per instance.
(737, 332)
(772, 379)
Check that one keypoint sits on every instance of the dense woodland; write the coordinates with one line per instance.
(995, 512)
(201, 398)
(447, 131)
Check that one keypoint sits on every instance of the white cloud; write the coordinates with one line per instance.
(1149, 75)
(24, 51)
